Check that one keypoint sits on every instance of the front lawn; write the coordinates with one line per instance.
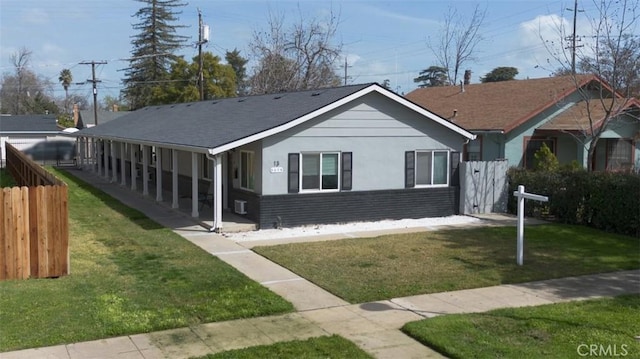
(322, 347)
(595, 328)
(368, 269)
(128, 275)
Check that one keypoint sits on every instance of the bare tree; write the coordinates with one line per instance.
(457, 41)
(612, 56)
(24, 92)
(298, 58)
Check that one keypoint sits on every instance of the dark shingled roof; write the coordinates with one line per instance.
(28, 123)
(87, 117)
(213, 123)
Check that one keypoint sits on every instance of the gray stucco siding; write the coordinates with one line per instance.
(373, 129)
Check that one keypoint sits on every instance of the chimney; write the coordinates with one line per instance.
(461, 86)
(114, 108)
(467, 77)
(76, 114)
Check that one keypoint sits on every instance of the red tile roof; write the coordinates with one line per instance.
(499, 106)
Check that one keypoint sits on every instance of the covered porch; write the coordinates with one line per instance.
(190, 183)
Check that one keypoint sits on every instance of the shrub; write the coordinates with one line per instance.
(545, 160)
(603, 200)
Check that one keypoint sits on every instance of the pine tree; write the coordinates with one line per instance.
(238, 63)
(153, 52)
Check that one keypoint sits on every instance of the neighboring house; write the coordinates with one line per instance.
(24, 131)
(87, 118)
(514, 118)
(333, 155)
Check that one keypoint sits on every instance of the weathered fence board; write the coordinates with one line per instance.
(34, 238)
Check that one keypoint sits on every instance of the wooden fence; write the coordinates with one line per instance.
(34, 239)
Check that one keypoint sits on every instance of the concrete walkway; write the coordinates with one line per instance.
(374, 327)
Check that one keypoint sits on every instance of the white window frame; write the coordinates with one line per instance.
(319, 189)
(252, 154)
(433, 152)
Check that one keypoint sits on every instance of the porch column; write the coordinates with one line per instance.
(114, 163)
(194, 185)
(134, 174)
(123, 165)
(158, 174)
(145, 170)
(98, 157)
(174, 178)
(217, 194)
(225, 180)
(80, 145)
(93, 155)
(105, 158)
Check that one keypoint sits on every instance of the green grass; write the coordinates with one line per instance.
(128, 275)
(321, 348)
(6, 180)
(564, 330)
(368, 269)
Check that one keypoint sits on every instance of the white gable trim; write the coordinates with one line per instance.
(372, 88)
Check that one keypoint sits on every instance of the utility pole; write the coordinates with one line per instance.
(345, 71)
(203, 38)
(574, 37)
(95, 89)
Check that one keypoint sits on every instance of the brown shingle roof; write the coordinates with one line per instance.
(576, 118)
(498, 106)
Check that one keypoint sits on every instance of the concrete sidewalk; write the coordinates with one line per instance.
(374, 327)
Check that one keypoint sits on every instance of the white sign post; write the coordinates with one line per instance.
(521, 194)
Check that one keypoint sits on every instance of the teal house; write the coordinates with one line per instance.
(512, 119)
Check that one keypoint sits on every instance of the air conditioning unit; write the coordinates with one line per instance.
(240, 207)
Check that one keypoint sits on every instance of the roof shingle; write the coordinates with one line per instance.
(499, 106)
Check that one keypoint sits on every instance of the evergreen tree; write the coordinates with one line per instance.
(432, 77)
(219, 80)
(153, 52)
(238, 64)
(500, 74)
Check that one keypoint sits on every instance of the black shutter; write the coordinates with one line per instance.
(409, 169)
(294, 173)
(346, 171)
(454, 179)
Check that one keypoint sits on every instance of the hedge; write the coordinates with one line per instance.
(604, 200)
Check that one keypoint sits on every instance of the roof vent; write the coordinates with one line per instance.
(315, 94)
(277, 97)
(214, 102)
(242, 100)
(188, 105)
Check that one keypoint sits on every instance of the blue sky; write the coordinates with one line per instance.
(381, 39)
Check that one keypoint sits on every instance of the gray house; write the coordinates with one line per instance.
(332, 155)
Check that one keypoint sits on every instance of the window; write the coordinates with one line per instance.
(533, 144)
(247, 170)
(473, 150)
(619, 154)
(152, 157)
(431, 168)
(320, 171)
(206, 167)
